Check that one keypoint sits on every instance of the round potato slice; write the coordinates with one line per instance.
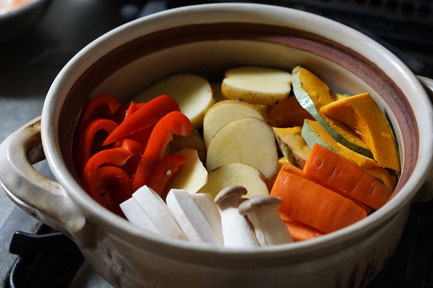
(235, 174)
(193, 94)
(256, 85)
(223, 113)
(249, 141)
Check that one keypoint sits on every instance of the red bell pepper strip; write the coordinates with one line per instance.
(102, 106)
(144, 117)
(133, 106)
(91, 179)
(112, 187)
(173, 123)
(120, 114)
(164, 171)
(136, 149)
(86, 140)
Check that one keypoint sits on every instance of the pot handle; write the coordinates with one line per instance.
(426, 191)
(30, 190)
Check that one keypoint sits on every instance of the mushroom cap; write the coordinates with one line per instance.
(258, 201)
(234, 192)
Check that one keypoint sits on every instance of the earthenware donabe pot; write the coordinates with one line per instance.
(206, 40)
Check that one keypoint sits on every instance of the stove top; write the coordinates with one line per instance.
(32, 256)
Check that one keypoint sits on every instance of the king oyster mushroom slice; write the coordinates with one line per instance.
(197, 224)
(237, 231)
(262, 211)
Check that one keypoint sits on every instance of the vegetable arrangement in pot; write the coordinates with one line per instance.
(266, 168)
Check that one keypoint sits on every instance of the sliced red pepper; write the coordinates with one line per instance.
(112, 187)
(102, 106)
(86, 139)
(120, 114)
(133, 107)
(136, 149)
(164, 171)
(173, 123)
(144, 117)
(91, 179)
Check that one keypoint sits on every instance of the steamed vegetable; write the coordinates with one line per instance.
(256, 85)
(192, 92)
(292, 145)
(314, 205)
(225, 112)
(172, 123)
(192, 176)
(146, 116)
(287, 113)
(249, 141)
(312, 94)
(340, 174)
(362, 114)
(235, 174)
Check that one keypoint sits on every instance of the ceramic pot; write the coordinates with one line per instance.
(207, 40)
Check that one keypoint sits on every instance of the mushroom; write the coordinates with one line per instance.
(262, 211)
(237, 231)
(191, 218)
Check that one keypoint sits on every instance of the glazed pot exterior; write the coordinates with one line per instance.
(206, 40)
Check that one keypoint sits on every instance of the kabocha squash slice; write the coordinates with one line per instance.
(313, 133)
(287, 113)
(312, 93)
(361, 113)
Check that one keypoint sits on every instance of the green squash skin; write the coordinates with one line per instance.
(311, 138)
(308, 104)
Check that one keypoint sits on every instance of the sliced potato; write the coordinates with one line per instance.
(192, 141)
(292, 145)
(256, 85)
(192, 175)
(223, 113)
(193, 94)
(249, 141)
(235, 174)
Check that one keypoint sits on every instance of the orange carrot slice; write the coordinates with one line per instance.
(314, 205)
(336, 172)
(301, 232)
(295, 170)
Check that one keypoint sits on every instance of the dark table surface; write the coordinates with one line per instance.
(29, 64)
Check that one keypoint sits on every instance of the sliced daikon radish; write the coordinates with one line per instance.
(193, 94)
(137, 216)
(158, 212)
(190, 217)
(207, 206)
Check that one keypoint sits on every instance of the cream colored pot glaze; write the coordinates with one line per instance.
(208, 39)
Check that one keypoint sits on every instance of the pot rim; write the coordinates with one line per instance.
(272, 15)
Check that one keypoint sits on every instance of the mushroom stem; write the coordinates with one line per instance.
(237, 231)
(262, 211)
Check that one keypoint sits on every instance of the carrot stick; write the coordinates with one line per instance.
(295, 170)
(301, 232)
(314, 205)
(336, 172)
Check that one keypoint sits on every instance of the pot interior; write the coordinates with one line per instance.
(209, 49)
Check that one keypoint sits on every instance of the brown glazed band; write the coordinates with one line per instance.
(315, 44)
